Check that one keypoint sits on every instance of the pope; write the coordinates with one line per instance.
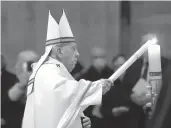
(54, 98)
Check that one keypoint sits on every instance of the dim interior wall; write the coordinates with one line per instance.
(151, 17)
(93, 23)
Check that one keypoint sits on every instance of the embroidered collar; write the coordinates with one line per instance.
(63, 69)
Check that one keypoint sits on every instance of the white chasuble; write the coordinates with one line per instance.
(56, 99)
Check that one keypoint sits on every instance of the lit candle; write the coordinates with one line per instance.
(132, 59)
(154, 58)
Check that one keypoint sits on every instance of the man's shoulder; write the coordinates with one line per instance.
(165, 61)
(6, 72)
(50, 65)
(108, 69)
(8, 79)
(48, 73)
(47, 68)
(9, 75)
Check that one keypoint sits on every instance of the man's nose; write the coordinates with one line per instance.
(77, 54)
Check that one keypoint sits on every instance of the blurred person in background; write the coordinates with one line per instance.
(23, 70)
(113, 106)
(77, 71)
(16, 92)
(137, 115)
(8, 79)
(98, 70)
(117, 62)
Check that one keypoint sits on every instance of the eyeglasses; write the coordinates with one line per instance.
(97, 57)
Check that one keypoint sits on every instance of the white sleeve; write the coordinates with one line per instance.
(94, 94)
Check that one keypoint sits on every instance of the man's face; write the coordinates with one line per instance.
(98, 58)
(70, 56)
(99, 62)
(118, 63)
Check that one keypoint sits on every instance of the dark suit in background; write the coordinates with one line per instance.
(114, 98)
(76, 72)
(11, 111)
(162, 114)
(136, 116)
(92, 74)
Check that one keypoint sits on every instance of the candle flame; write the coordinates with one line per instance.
(153, 40)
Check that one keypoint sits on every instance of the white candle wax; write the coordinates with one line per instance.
(132, 59)
(154, 58)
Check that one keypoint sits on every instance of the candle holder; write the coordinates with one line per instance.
(154, 59)
(153, 89)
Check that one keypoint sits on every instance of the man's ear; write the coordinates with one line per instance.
(59, 51)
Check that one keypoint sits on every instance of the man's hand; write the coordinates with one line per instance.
(140, 99)
(16, 92)
(96, 112)
(140, 91)
(2, 122)
(23, 78)
(117, 111)
(106, 84)
(86, 122)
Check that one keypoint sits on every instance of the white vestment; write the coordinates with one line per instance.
(56, 99)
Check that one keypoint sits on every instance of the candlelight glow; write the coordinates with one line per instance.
(154, 40)
(133, 58)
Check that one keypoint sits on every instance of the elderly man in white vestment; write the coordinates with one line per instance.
(54, 98)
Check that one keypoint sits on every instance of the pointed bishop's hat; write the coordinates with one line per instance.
(64, 34)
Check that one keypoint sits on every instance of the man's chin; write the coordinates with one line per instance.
(72, 68)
